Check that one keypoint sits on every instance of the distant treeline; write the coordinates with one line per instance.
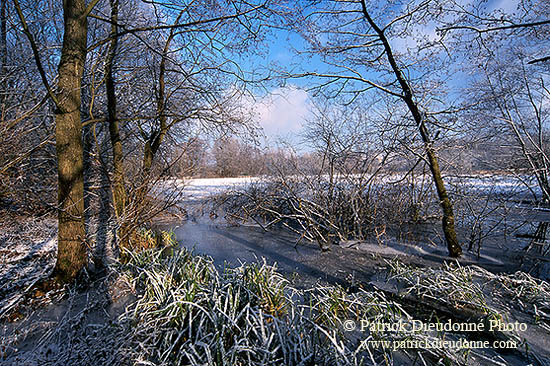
(231, 157)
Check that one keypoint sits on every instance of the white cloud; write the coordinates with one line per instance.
(282, 112)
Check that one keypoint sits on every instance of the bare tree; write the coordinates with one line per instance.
(27, 157)
(179, 76)
(407, 96)
(118, 186)
(186, 75)
(359, 58)
(72, 254)
(506, 53)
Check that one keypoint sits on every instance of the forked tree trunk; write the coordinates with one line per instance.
(448, 221)
(72, 256)
(154, 141)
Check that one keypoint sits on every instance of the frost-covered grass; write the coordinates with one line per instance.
(477, 290)
(189, 313)
(452, 285)
(185, 311)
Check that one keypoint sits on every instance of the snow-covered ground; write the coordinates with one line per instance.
(203, 187)
(27, 254)
(200, 188)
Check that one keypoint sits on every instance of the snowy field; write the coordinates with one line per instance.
(197, 189)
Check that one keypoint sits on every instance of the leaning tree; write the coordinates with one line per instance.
(364, 48)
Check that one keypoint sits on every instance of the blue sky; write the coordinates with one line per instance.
(282, 109)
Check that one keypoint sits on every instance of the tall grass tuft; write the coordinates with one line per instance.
(146, 238)
(190, 313)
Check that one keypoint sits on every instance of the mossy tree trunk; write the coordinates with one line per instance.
(72, 254)
(448, 221)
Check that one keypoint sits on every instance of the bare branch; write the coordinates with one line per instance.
(36, 55)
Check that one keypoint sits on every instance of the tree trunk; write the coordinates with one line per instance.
(72, 256)
(448, 221)
(118, 187)
(155, 140)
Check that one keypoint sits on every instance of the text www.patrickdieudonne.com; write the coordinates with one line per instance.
(405, 328)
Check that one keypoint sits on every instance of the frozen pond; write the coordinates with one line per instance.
(234, 244)
(226, 243)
